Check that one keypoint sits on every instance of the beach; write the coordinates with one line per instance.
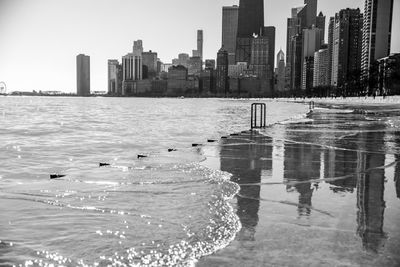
(315, 189)
(321, 192)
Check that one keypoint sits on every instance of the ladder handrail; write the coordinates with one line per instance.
(263, 115)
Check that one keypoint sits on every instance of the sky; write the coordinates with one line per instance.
(39, 39)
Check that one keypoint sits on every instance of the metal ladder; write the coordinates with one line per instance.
(262, 118)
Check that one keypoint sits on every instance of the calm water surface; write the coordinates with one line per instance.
(164, 209)
(322, 192)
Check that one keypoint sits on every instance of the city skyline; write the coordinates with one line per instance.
(52, 47)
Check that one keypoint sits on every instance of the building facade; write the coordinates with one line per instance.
(200, 44)
(250, 22)
(222, 84)
(280, 72)
(331, 27)
(210, 63)
(83, 75)
(321, 68)
(177, 77)
(311, 44)
(320, 24)
(377, 31)
(269, 34)
(347, 43)
(229, 31)
(195, 66)
(308, 72)
(259, 57)
(113, 76)
(132, 70)
(150, 62)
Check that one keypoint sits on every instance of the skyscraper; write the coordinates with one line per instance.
(311, 44)
(200, 43)
(132, 68)
(330, 47)
(296, 24)
(295, 73)
(347, 35)
(320, 24)
(269, 34)
(377, 30)
(308, 73)
(229, 31)
(150, 62)
(259, 57)
(113, 76)
(280, 73)
(83, 75)
(250, 22)
(321, 69)
(222, 72)
(311, 13)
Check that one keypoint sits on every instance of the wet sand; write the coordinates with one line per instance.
(321, 192)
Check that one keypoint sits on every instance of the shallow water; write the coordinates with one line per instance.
(321, 192)
(166, 208)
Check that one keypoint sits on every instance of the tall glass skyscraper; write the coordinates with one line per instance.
(250, 22)
(377, 30)
(83, 75)
(229, 31)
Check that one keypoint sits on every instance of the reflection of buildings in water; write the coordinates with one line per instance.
(302, 163)
(397, 176)
(340, 163)
(245, 162)
(370, 192)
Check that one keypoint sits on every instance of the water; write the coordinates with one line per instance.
(324, 191)
(169, 208)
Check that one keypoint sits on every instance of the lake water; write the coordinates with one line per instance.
(167, 208)
(315, 190)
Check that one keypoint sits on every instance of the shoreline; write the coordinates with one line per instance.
(306, 167)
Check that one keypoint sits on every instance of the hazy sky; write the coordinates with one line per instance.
(39, 39)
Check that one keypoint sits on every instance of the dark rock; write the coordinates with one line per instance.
(101, 164)
(56, 175)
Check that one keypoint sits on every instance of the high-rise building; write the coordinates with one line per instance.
(330, 47)
(150, 63)
(320, 24)
(347, 41)
(83, 75)
(296, 24)
(377, 31)
(200, 43)
(222, 72)
(259, 57)
(311, 13)
(296, 61)
(132, 68)
(269, 34)
(280, 71)
(113, 76)
(311, 44)
(308, 73)
(311, 41)
(321, 68)
(229, 31)
(250, 22)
